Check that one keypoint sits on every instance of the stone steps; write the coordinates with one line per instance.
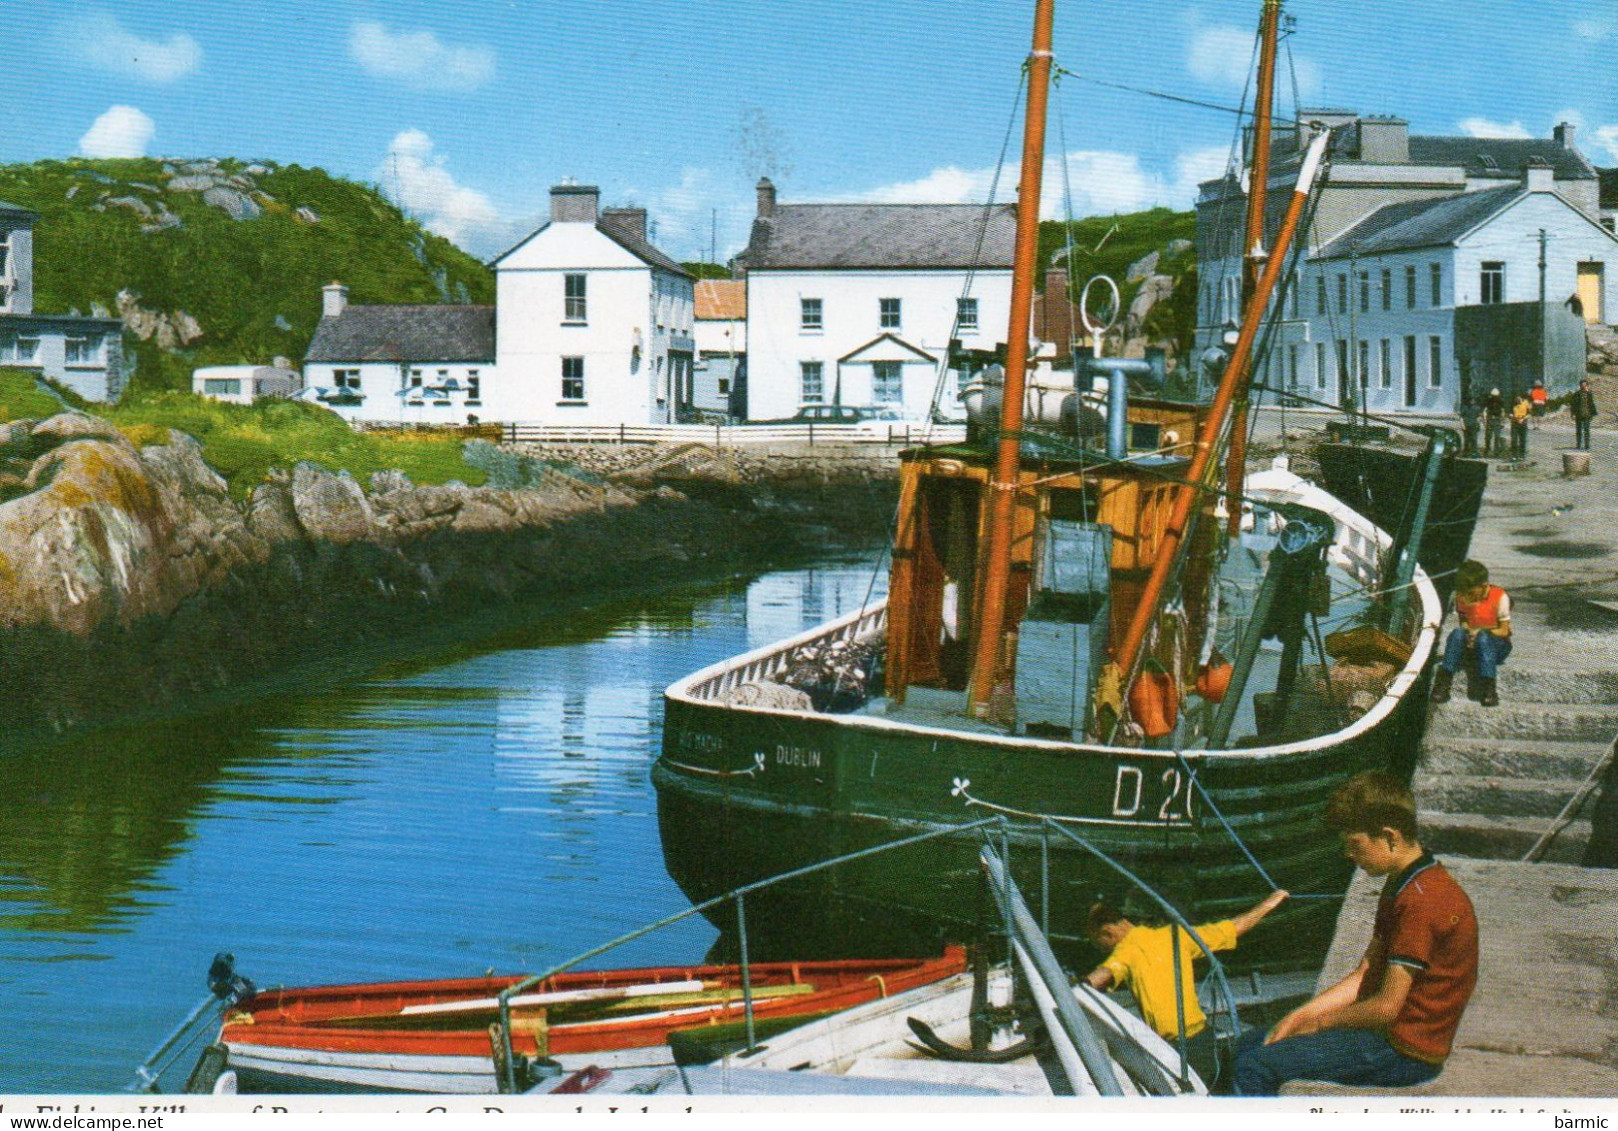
(1558, 722)
(1497, 795)
(1444, 755)
(1534, 683)
(1498, 838)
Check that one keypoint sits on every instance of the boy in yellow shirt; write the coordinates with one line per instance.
(1142, 958)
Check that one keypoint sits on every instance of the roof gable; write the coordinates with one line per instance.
(885, 236)
(570, 233)
(405, 333)
(886, 347)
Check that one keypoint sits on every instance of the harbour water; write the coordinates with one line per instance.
(484, 809)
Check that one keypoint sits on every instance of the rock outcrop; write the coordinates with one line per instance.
(130, 577)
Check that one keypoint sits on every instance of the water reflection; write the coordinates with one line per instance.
(489, 808)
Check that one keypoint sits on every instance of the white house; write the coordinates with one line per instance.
(85, 354)
(1428, 303)
(721, 334)
(244, 384)
(429, 364)
(595, 325)
(857, 304)
(1411, 238)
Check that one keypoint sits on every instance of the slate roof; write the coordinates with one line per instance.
(1420, 223)
(721, 299)
(840, 236)
(405, 333)
(1510, 156)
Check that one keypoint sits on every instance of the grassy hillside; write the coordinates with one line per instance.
(251, 284)
(1107, 245)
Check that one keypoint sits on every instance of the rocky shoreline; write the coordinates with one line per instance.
(131, 581)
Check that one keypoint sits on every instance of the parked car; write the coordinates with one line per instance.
(875, 419)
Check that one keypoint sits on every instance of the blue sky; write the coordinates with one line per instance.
(468, 111)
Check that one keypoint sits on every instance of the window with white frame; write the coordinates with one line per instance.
(889, 313)
(474, 387)
(1435, 278)
(1363, 377)
(1387, 365)
(1297, 285)
(1320, 294)
(1387, 288)
(575, 304)
(811, 314)
(1342, 294)
(573, 379)
(1435, 362)
(811, 382)
(83, 350)
(221, 386)
(1320, 365)
(887, 382)
(441, 388)
(1410, 371)
(1292, 365)
(1410, 287)
(966, 314)
(347, 380)
(1492, 283)
(415, 381)
(1365, 292)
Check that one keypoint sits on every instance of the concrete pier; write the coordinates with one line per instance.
(1491, 783)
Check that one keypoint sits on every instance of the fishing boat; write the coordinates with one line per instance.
(434, 1036)
(1099, 625)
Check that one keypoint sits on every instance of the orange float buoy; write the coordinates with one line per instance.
(1214, 680)
(1153, 703)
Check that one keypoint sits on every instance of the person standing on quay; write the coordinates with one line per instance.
(1584, 411)
(1520, 413)
(1494, 420)
(1471, 419)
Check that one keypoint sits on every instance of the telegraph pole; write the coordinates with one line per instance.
(1543, 345)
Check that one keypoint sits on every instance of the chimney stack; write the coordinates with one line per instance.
(1563, 134)
(574, 204)
(766, 198)
(333, 300)
(630, 221)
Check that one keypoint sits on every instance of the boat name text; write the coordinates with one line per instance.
(802, 756)
(1166, 799)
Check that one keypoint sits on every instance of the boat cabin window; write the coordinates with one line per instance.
(1072, 504)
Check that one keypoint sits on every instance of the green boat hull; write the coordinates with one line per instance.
(744, 795)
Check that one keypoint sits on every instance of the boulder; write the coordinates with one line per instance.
(331, 508)
(192, 182)
(270, 513)
(1153, 291)
(385, 482)
(1143, 268)
(308, 215)
(234, 203)
(1177, 248)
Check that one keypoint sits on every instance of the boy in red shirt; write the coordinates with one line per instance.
(1484, 611)
(1392, 1021)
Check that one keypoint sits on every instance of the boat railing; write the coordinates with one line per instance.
(763, 663)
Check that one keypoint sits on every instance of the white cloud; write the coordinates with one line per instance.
(1596, 29)
(1221, 55)
(1483, 127)
(122, 131)
(421, 184)
(1102, 181)
(419, 58)
(107, 44)
(1572, 117)
(1607, 138)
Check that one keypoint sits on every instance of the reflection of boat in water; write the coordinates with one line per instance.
(1052, 650)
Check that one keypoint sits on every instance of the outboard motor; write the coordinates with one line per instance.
(226, 984)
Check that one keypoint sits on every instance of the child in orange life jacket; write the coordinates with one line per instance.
(1484, 611)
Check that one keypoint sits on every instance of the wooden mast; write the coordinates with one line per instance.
(1253, 247)
(997, 571)
(1207, 440)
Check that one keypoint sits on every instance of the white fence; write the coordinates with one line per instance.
(735, 435)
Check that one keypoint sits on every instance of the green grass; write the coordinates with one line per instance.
(243, 442)
(22, 399)
(253, 285)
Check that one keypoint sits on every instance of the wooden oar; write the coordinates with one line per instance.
(561, 997)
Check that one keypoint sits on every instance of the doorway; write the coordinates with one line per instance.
(1592, 291)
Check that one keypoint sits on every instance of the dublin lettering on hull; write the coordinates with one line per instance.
(802, 757)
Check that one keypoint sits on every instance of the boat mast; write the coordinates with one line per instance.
(1003, 487)
(1253, 248)
(1207, 440)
